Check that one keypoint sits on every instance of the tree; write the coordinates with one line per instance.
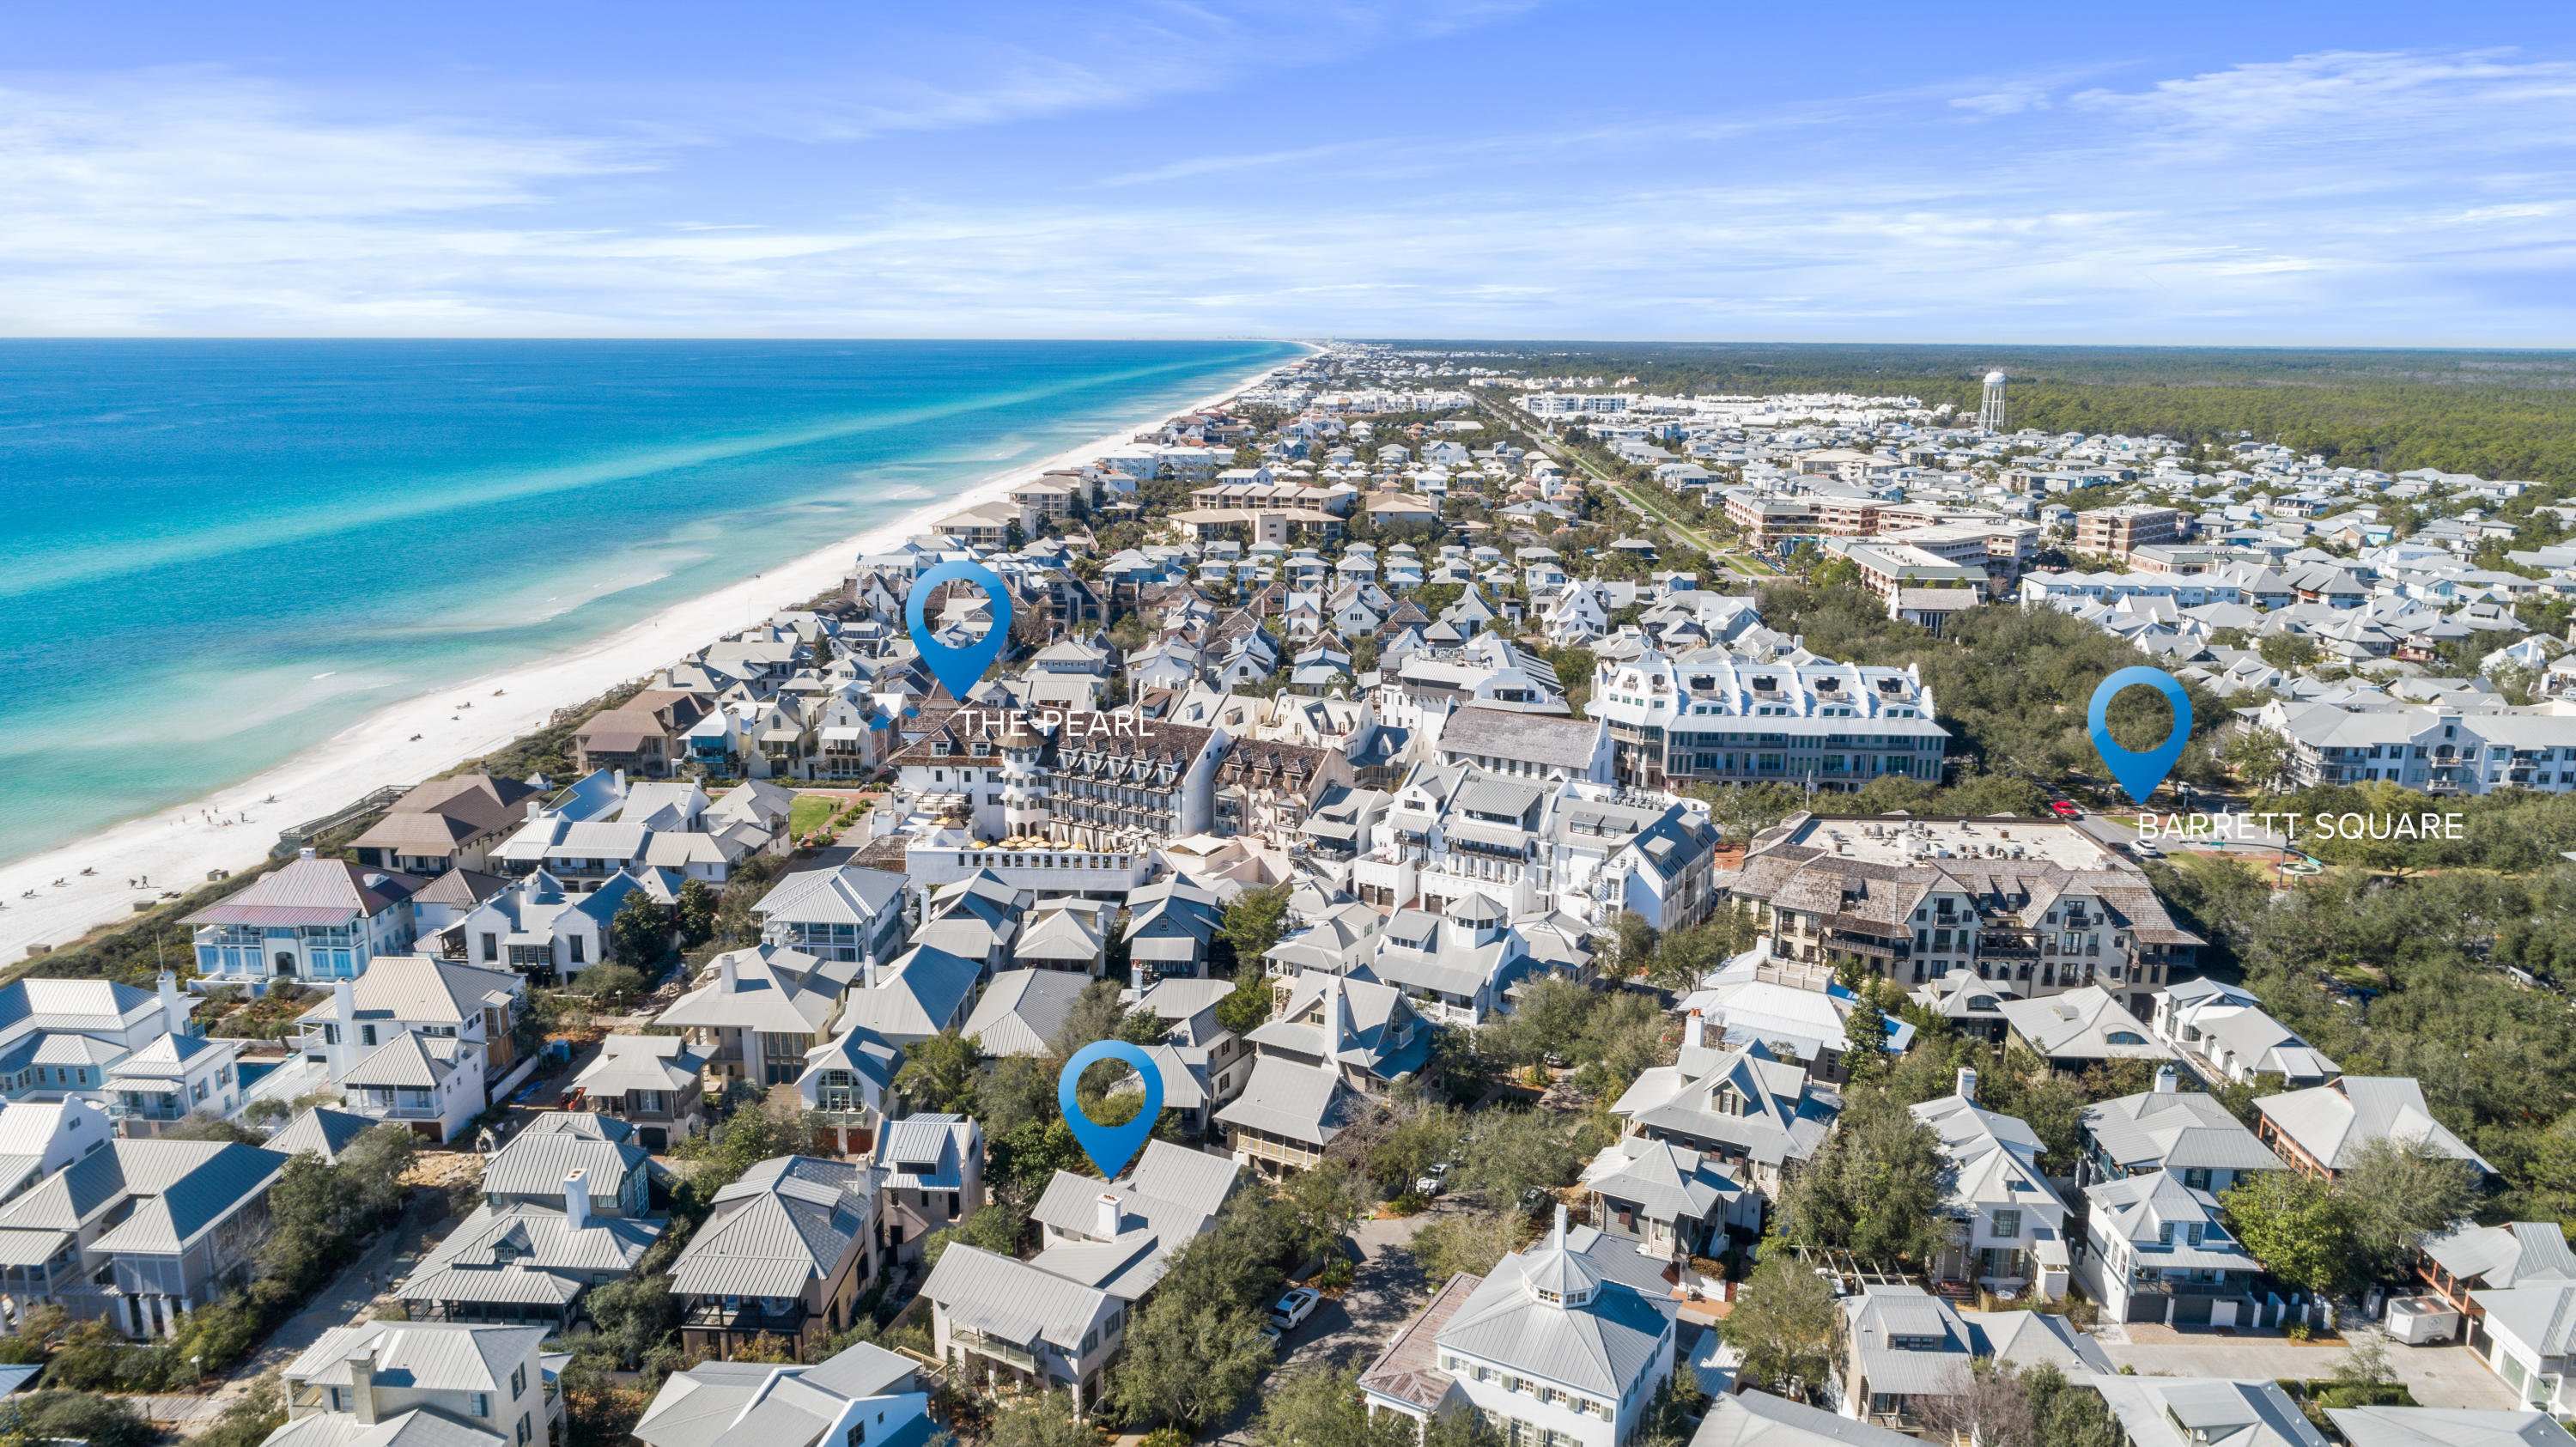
(698, 904)
(1471, 1242)
(1322, 1407)
(2261, 757)
(251, 1417)
(1513, 1151)
(1253, 923)
(633, 1315)
(938, 1074)
(1983, 1402)
(82, 1417)
(371, 1170)
(205, 1125)
(1325, 1203)
(1189, 1362)
(1018, 1090)
(1874, 1188)
(996, 1228)
(2289, 651)
(1785, 1324)
(1046, 1422)
(1630, 948)
(2397, 1192)
(639, 934)
(1865, 1057)
(2294, 1226)
(610, 984)
(1248, 1005)
(1095, 1015)
(1422, 1135)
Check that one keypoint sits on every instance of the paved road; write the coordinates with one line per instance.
(351, 1298)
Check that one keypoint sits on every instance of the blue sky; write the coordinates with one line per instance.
(2261, 173)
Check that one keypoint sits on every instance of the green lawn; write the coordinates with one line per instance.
(810, 812)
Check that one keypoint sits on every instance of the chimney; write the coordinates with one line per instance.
(577, 1200)
(344, 1013)
(619, 777)
(1337, 1013)
(305, 852)
(174, 1016)
(726, 982)
(1106, 1228)
(1968, 1085)
(1558, 1239)
(362, 1386)
(2165, 1078)
(1695, 1031)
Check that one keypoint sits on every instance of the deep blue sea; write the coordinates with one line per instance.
(216, 553)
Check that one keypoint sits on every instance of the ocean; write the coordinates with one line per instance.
(214, 554)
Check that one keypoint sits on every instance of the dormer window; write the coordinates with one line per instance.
(941, 748)
(982, 747)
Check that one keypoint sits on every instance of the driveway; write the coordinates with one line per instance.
(1387, 1287)
(2444, 1376)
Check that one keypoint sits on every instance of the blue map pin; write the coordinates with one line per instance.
(2139, 773)
(1110, 1147)
(960, 669)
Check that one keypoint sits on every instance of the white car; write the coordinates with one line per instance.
(1295, 1307)
(1433, 1181)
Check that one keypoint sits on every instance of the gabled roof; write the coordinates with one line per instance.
(2517, 1253)
(321, 1130)
(1022, 1009)
(847, 895)
(538, 1162)
(1012, 1300)
(769, 992)
(1758, 1419)
(2447, 1427)
(408, 1061)
(2175, 1130)
(788, 1221)
(311, 890)
(419, 1356)
(2333, 1122)
(422, 990)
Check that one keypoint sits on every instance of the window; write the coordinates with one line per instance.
(491, 946)
(335, 1399)
(576, 949)
(366, 1034)
(523, 1429)
(857, 1434)
(2007, 1225)
(518, 1380)
(479, 1404)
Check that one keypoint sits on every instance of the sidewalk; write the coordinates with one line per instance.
(348, 1300)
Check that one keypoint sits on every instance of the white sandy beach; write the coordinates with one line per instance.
(176, 848)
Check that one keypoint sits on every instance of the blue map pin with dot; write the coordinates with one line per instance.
(1110, 1147)
(2139, 773)
(959, 669)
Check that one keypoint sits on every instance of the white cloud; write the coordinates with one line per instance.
(2327, 197)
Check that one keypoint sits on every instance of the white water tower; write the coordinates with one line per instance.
(1990, 412)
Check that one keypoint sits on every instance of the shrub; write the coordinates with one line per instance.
(1337, 1276)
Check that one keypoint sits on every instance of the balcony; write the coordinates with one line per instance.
(748, 1316)
(1007, 1353)
(146, 1105)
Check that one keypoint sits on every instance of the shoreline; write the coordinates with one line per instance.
(418, 738)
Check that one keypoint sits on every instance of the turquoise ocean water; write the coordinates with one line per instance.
(216, 553)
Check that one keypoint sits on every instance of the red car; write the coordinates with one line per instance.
(2064, 810)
